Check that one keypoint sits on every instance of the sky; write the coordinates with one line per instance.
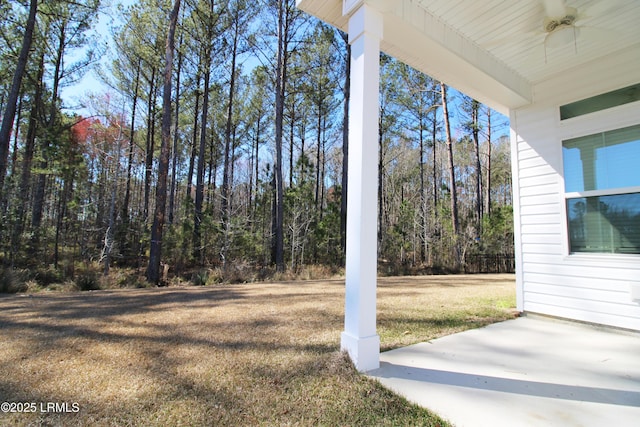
(76, 95)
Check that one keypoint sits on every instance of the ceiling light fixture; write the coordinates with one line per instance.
(562, 36)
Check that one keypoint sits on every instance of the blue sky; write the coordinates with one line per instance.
(75, 95)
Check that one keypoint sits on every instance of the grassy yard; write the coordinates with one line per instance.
(258, 354)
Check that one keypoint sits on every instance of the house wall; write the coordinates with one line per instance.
(591, 288)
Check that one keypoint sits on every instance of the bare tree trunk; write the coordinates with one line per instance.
(318, 159)
(124, 241)
(127, 193)
(174, 162)
(153, 270)
(212, 171)
(50, 128)
(108, 239)
(423, 195)
(205, 62)
(228, 157)
(16, 137)
(487, 190)
(434, 180)
(452, 176)
(194, 143)
(475, 123)
(38, 199)
(234, 146)
(62, 211)
(434, 139)
(292, 123)
(151, 110)
(14, 92)
(27, 159)
(254, 163)
(199, 200)
(281, 74)
(323, 169)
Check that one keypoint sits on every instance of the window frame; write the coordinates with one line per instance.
(583, 104)
(610, 119)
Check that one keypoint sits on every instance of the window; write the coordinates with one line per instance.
(600, 102)
(602, 188)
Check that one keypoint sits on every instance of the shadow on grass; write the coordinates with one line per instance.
(233, 354)
(168, 335)
(52, 317)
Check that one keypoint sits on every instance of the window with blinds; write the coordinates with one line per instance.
(602, 190)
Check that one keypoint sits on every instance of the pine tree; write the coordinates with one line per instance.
(153, 270)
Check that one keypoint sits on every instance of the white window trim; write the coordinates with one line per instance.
(601, 121)
(599, 193)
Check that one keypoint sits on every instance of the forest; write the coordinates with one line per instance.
(215, 149)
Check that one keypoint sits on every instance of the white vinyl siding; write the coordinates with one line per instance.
(587, 287)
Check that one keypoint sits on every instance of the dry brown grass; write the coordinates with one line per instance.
(258, 354)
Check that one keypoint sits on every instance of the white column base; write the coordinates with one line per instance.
(364, 351)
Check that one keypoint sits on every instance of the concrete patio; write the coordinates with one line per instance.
(531, 371)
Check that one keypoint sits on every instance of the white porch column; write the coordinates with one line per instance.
(359, 338)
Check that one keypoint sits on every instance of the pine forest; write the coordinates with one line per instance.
(214, 149)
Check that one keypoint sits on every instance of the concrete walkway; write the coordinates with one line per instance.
(531, 371)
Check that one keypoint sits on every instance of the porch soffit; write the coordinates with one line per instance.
(491, 50)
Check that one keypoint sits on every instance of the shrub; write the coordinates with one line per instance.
(88, 282)
(140, 283)
(9, 283)
(200, 278)
(47, 276)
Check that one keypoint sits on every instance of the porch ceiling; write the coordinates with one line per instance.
(493, 50)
